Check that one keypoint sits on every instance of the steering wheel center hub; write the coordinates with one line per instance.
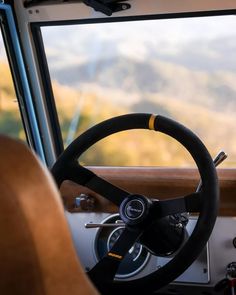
(134, 209)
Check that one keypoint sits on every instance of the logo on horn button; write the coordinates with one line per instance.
(134, 209)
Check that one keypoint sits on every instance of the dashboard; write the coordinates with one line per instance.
(201, 277)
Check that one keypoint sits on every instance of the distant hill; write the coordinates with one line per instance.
(214, 90)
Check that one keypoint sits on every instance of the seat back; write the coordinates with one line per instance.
(37, 255)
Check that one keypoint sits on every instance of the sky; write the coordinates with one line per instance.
(175, 29)
(134, 39)
(2, 50)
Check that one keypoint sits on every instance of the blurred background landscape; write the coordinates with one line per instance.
(184, 69)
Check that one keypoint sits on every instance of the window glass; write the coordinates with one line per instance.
(10, 119)
(184, 69)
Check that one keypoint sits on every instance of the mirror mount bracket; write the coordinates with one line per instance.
(108, 7)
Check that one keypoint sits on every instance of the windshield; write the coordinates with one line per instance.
(184, 69)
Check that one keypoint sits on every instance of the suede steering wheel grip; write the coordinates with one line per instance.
(206, 202)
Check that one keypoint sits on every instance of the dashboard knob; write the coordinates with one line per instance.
(85, 202)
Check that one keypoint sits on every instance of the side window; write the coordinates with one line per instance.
(10, 118)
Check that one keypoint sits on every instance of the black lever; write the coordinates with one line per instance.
(221, 156)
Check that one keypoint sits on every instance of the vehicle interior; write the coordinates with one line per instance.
(91, 202)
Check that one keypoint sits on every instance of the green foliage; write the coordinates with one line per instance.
(10, 120)
(6, 84)
(10, 124)
(144, 148)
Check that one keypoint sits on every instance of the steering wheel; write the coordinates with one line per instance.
(137, 221)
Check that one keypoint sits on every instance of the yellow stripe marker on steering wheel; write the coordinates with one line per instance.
(152, 122)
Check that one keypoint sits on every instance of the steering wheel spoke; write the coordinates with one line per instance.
(86, 177)
(189, 203)
(106, 268)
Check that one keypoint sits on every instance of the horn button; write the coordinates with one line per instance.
(134, 209)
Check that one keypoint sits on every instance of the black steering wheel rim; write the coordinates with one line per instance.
(209, 196)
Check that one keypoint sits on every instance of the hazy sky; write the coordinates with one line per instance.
(173, 29)
(2, 51)
(174, 38)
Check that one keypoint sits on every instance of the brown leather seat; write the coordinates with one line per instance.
(36, 250)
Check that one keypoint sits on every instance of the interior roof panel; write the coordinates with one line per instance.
(79, 11)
